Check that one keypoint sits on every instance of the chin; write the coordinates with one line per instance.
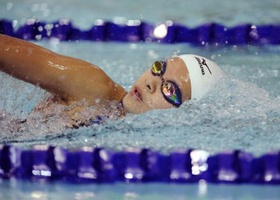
(134, 107)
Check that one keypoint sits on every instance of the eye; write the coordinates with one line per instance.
(158, 68)
(171, 93)
(168, 89)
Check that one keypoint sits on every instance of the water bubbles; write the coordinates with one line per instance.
(275, 73)
(9, 6)
(14, 23)
(133, 46)
(176, 52)
(38, 37)
(97, 101)
(215, 56)
(153, 55)
(41, 8)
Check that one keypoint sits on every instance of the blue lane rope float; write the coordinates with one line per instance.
(100, 165)
(141, 31)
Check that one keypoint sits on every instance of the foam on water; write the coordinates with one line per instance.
(229, 118)
(234, 115)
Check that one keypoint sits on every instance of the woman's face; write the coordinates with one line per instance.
(146, 93)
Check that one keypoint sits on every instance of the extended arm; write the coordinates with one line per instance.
(71, 79)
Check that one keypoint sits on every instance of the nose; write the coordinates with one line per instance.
(151, 84)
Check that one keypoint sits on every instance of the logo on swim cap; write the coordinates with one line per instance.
(201, 64)
(203, 74)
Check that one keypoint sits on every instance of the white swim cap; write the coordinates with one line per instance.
(203, 74)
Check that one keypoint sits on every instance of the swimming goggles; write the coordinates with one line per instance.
(169, 89)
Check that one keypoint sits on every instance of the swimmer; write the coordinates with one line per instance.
(167, 84)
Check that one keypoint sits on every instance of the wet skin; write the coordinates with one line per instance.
(69, 78)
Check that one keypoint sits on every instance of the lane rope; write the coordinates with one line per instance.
(141, 31)
(101, 165)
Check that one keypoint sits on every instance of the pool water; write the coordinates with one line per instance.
(27, 190)
(190, 13)
(241, 112)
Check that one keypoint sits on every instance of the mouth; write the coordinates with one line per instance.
(136, 93)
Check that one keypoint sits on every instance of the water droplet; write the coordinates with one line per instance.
(9, 6)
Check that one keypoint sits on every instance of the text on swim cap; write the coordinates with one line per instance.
(202, 64)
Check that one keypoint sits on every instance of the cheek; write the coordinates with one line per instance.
(142, 78)
(157, 101)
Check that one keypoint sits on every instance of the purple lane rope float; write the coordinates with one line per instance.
(141, 31)
(101, 165)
